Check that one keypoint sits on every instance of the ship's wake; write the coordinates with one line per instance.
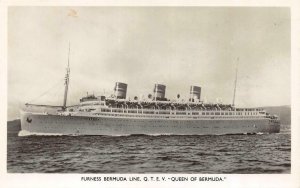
(28, 133)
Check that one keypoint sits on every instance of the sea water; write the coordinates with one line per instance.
(238, 154)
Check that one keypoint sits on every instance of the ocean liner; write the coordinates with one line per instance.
(117, 115)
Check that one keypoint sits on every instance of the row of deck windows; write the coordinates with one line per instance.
(178, 112)
(164, 117)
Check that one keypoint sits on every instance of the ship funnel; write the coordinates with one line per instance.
(120, 90)
(159, 91)
(195, 93)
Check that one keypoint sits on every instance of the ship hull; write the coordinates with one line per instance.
(84, 125)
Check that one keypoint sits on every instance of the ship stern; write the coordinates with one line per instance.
(274, 126)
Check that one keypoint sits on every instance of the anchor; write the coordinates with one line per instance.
(29, 120)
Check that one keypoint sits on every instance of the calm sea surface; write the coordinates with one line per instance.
(238, 154)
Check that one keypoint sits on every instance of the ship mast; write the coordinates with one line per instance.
(236, 73)
(67, 82)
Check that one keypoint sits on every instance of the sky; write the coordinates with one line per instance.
(141, 46)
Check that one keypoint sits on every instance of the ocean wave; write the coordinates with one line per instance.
(261, 154)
